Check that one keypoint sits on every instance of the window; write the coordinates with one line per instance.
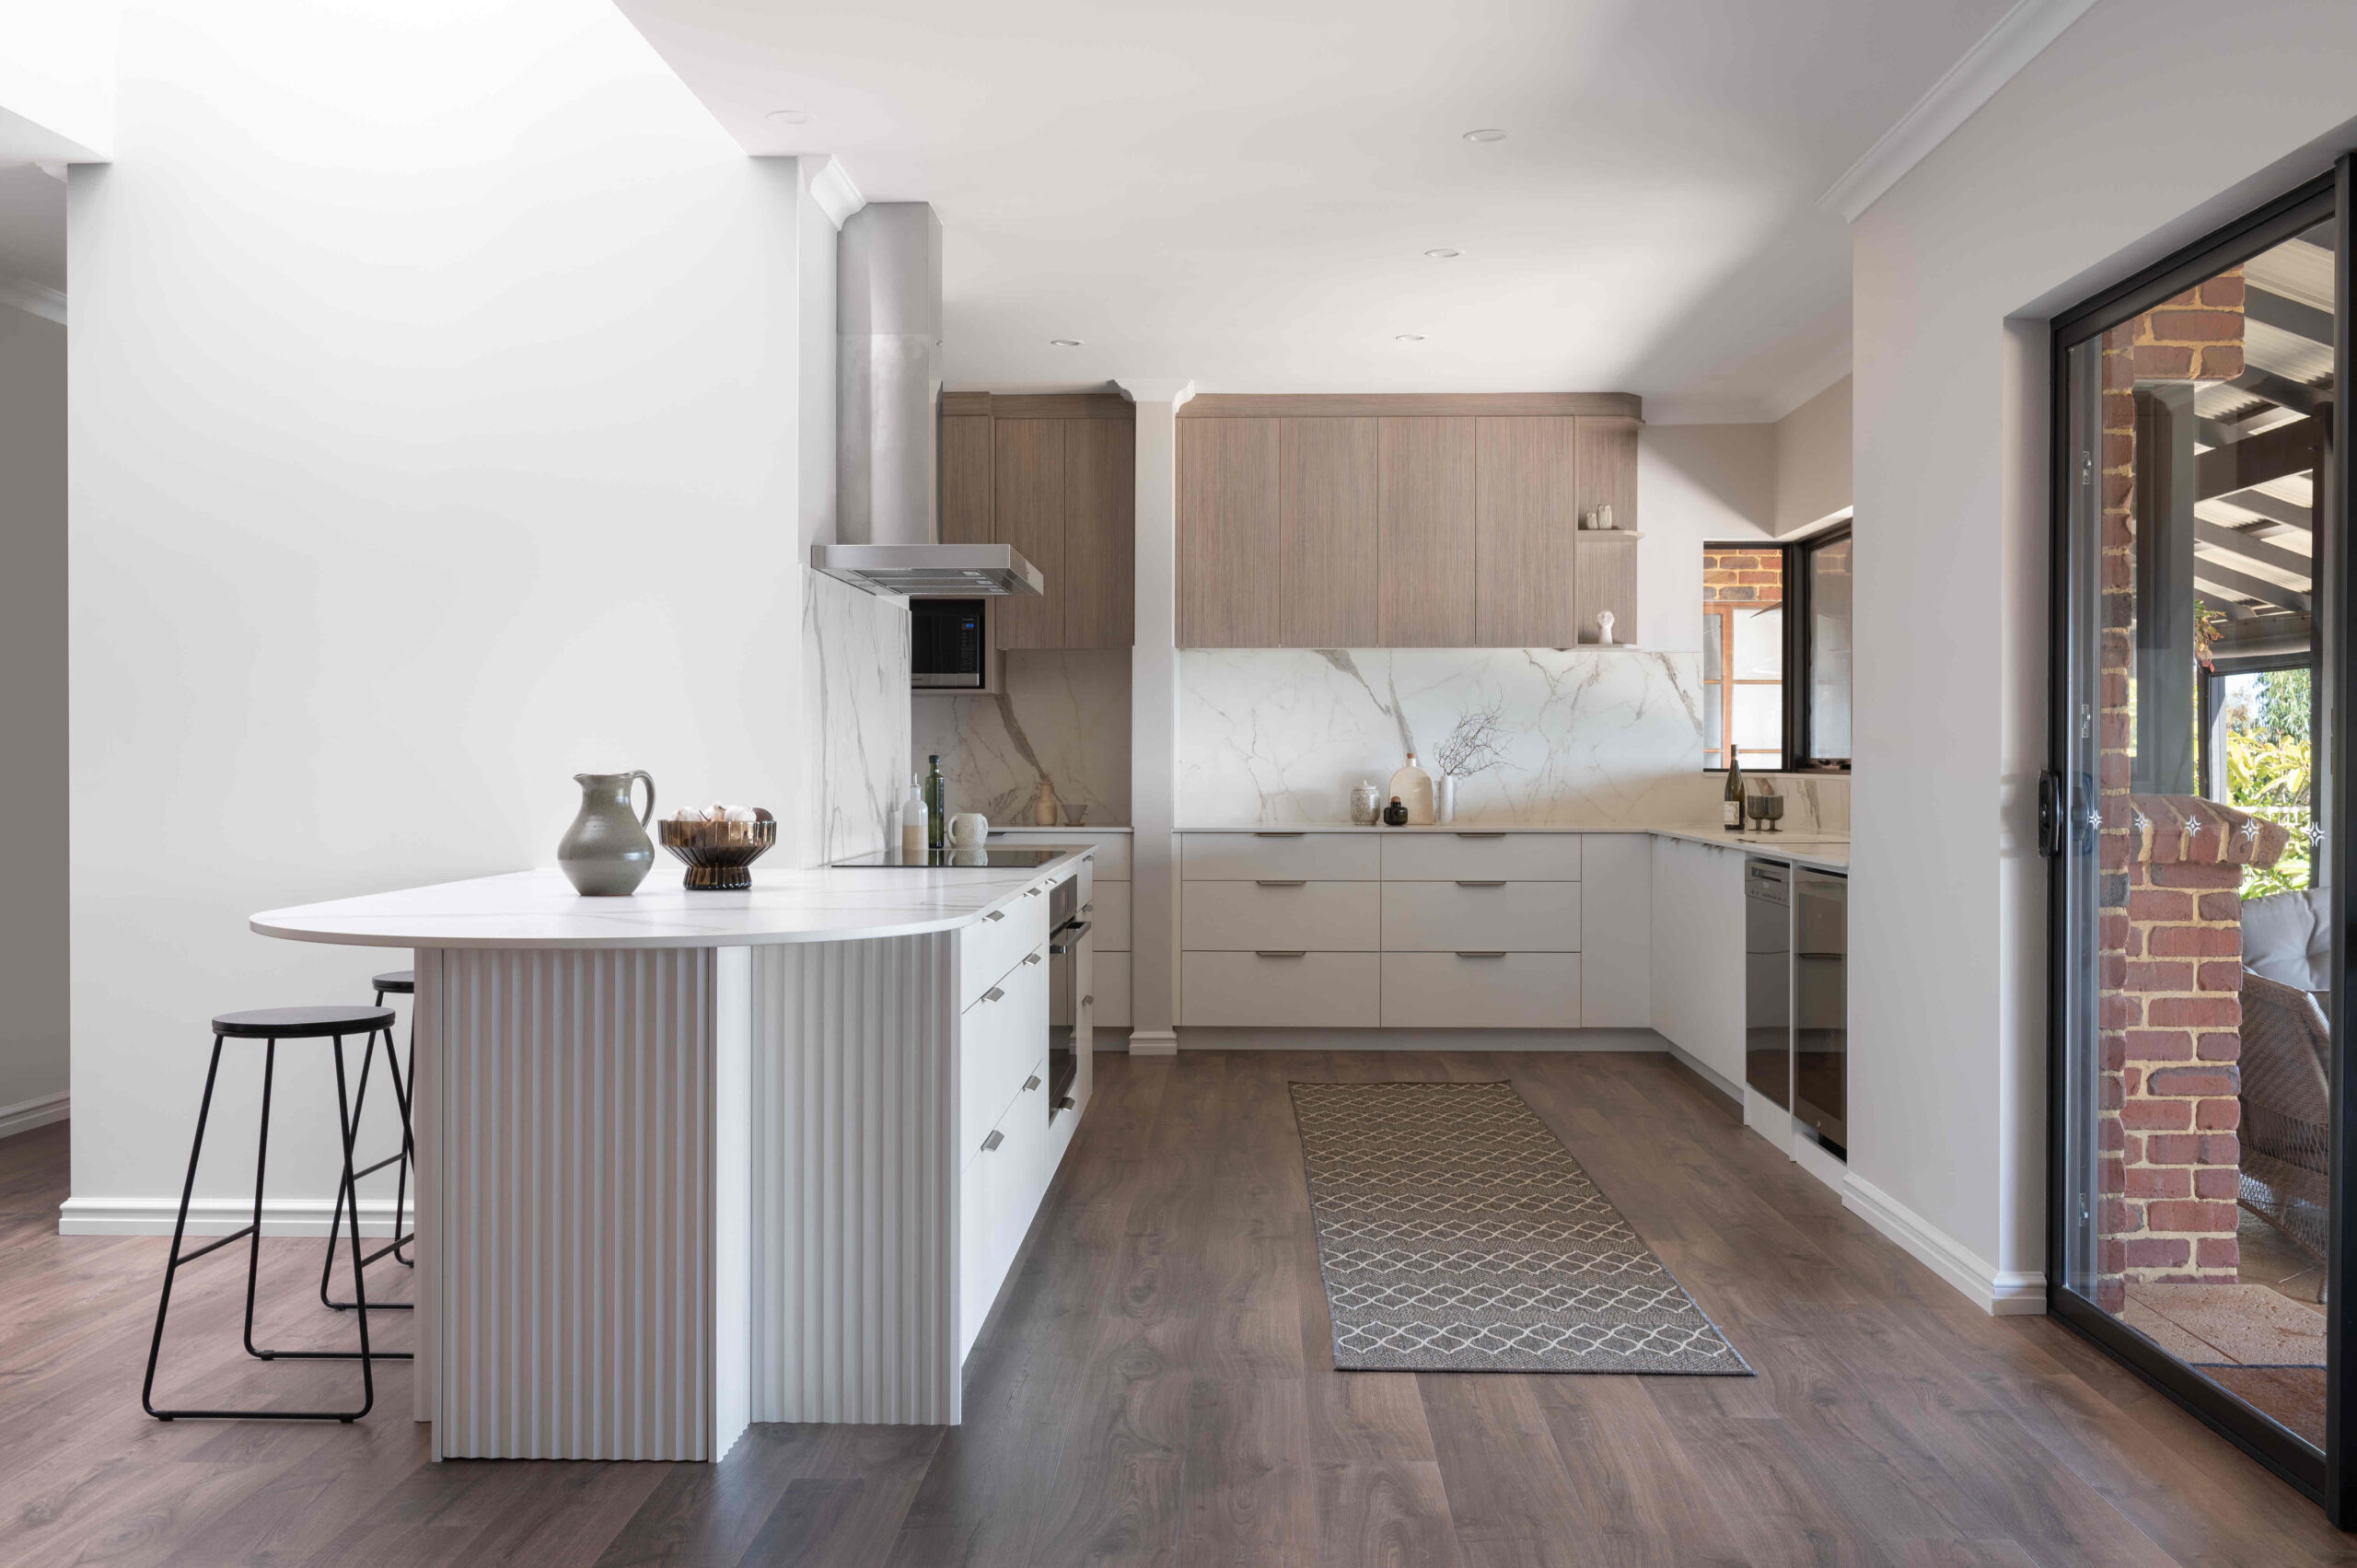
(1768, 610)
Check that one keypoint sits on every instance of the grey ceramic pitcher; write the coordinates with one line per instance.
(606, 852)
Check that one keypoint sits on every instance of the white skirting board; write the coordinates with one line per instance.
(217, 1217)
(1199, 1037)
(2000, 1292)
(25, 1115)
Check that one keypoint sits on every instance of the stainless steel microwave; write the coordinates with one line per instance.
(949, 645)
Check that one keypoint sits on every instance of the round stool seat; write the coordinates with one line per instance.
(302, 1022)
(396, 982)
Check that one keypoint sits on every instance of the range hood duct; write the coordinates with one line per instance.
(887, 405)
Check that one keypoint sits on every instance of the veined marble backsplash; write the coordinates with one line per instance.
(1063, 716)
(855, 703)
(1277, 736)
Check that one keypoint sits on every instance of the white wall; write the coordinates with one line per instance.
(56, 81)
(1696, 483)
(434, 378)
(32, 715)
(2087, 165)
(1813, 466)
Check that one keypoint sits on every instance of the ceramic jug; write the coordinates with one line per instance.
(606, 852)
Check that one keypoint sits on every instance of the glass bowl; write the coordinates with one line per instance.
(718, 853)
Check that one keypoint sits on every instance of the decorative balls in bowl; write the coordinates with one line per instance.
(719, 844)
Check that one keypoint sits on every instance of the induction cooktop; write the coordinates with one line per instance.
(943, 859)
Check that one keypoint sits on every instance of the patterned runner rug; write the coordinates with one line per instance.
(1457, 1235)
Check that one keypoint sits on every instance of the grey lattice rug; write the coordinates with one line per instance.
(1457, 1235)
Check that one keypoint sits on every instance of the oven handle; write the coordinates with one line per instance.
(1067, 936)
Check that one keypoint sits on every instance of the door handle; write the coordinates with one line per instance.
(1465, 884)
(991, 1144)
(1279, 953)
(2049, 814)
(1272, 882)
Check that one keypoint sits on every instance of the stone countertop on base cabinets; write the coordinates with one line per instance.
(1820, 850)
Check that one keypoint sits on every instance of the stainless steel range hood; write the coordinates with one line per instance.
(888, 404)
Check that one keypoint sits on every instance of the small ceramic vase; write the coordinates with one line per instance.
(606, 854)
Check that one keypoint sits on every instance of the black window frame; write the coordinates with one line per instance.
(1792, 555)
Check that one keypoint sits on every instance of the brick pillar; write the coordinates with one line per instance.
(2171, 1042)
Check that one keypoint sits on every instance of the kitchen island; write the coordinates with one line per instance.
(687, 1161)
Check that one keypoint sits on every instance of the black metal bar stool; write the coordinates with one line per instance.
(393, 982)
(271, 1025)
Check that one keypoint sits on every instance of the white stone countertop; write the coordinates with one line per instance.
(539, 909)
(1824, 852)
(1060, 831)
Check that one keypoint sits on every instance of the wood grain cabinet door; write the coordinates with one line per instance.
(1428, 499)
(1525, 560)
(1330, 525)
(1100, 532)
(965, 445)
(1027, 460)
(1227, 533)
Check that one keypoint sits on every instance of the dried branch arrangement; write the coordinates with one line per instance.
(1476, 745)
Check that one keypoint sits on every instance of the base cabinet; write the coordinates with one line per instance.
(1482, 991)
(1698, 959)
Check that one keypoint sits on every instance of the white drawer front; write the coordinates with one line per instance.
(996, 943)
(1322, 917)
(1110, 918)
(1319, 857)
(1443, 857)
(1514, 917)
(1517, 990)
(998, 1036)
(1314, 991)
(995, 1184)
(1110, 985)
(1112, 849)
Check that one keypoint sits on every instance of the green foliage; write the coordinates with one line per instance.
(2270, 771)
(2284, 697)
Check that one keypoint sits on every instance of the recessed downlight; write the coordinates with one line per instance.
(1442, 253)
(789, 117)
(1063, 342)
(1487, 134)
(1409, 338)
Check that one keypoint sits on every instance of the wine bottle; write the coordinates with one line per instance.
(1731, 808)
(936, 808)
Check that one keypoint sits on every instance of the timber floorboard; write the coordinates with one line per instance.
(1155, 1386)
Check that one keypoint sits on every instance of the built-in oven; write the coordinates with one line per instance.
(1070, 953)
(949, 645)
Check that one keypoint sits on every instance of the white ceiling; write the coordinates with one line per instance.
(32, 226)
(1240, 191)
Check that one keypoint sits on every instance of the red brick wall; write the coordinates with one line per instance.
(2171, 1039)
(1743, 576)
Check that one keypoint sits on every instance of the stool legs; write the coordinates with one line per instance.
(400, 1201)
(251, 1233)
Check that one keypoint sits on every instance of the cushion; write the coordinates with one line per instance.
(2287, 937)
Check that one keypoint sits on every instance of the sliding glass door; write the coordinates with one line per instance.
(2198, 885)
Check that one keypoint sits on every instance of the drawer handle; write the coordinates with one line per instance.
(1481, 835)
(1030, 892)
(995, 915)
(1279, 953)
(1462, 953)
(991, 1144)
(1089, 1001)
(1465, 884)
(1030, 958)
(1271, 882)
(1280, 835)
(993, 994)
(1089, 908)
(1030, 1083)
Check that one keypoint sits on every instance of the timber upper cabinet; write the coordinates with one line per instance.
(1056, 478)
(1326, 522)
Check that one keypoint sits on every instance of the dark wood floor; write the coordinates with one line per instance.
(1157, 1388)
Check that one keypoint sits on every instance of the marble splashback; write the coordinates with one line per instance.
(856, 705)
(1063, 716)
(1277, 736)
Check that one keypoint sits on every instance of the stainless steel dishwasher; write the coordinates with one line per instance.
(1821, 1008)
(1767, 979)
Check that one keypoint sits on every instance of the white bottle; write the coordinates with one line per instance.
(914, 825)
(1413, 788)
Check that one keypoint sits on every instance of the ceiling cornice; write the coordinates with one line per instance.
(831, 188)
(47, 303)
(1151, 389)
(2017, 40)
